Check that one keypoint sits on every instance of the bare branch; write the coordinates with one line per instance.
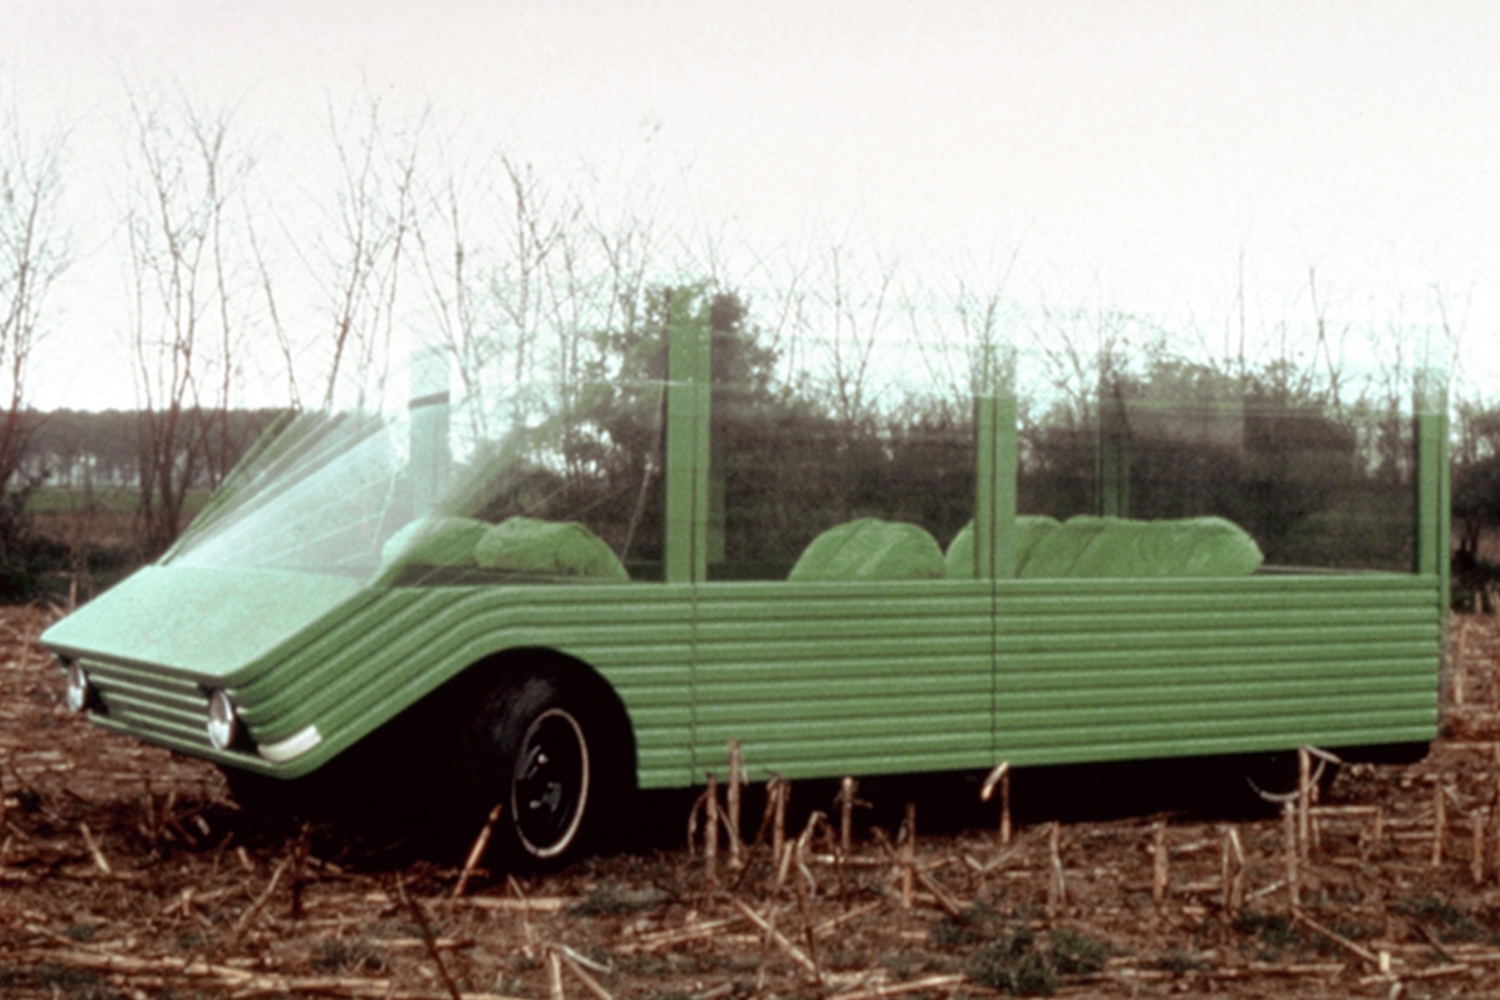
(33, 254)
(376, 211)
(185, 327)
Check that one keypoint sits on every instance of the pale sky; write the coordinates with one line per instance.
(1128, 155)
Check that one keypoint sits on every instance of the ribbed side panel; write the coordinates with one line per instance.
(867, 678)
(844, 679)
(1108, 670)
(361, 672)
(830, 680)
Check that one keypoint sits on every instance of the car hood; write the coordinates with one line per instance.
(197, 621)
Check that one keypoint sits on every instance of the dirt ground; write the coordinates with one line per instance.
(126, 872)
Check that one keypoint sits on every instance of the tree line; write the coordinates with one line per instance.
(85, 451)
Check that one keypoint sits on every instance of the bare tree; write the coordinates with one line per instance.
(284, 343)
(528, 284)
(33, 253)
(1082, 351)
(487, 250)
(375, 215)
(855, 299)
(185, 318)
(962, 339)
(1331, 353)
(448, 261)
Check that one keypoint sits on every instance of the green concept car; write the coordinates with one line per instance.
(545, 605)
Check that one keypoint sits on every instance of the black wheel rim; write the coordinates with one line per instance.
(551, 783)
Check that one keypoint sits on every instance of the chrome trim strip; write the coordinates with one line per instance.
(293, 746)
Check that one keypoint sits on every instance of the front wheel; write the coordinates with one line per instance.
(543, 747)
(549, 783)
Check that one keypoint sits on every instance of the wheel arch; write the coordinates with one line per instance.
(503, 665)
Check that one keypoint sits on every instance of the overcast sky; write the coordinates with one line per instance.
(1127, 154)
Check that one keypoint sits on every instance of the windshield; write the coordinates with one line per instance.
(407, 495)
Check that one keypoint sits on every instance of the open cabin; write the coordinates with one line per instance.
(872, 567)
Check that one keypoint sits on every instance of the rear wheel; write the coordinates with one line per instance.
(547, 749)
(1263, 783)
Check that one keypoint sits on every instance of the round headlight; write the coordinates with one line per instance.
(80, 693)
(223, 721)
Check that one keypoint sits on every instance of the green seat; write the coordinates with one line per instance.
(515, 545)
(1115, 547)
(1087, 546)
(870, 549)
(1030, 529)
(548, 548)
(434, 541)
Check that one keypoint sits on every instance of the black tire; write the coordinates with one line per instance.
(547, 747)
(380, 789)
(275, 804)
(264, 799)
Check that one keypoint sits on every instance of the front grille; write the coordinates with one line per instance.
(150, 703)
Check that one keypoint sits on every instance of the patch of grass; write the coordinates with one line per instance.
(901, 964)
(1354, 930)
(190, 941)
(613, 899)
(912, 965)
(114, 499)
(644, 964)
(1016, 962)
(837, 957)
(1075, 954)
(60, 499)
(975, 925)
(83, 932)
(1014, 966)
(341, 956)
(1452, 923)
(1273, 930)
(1428, 908)
(64, 978)
(1178, 962)
(1351, 930)
(58, 981)
(1338, 896)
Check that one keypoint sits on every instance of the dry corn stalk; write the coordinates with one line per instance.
(1057, 889)
(736, 779)
(1439, 823)
(1159, 874)
(1289, 828)
(1000, 776)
